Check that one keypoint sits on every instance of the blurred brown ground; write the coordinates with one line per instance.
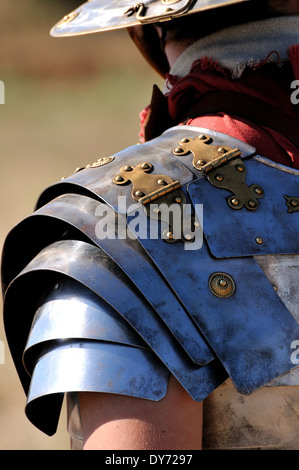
(67, 102)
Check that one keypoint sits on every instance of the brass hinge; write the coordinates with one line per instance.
(292, 203)
(223, 168)
(146, 187)
(149, 188)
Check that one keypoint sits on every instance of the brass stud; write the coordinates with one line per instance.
(259, 240)
(185, 140)
(162, 182)
(145, 165)
(258, 190)
(167, 235)
(219, 177)
(119, 179)
(139, 194)
(294, 203)
(128, 168)
(240, 168)
(188, 237)
(222, 285)
(222, 150)
(200, 162)
(235, 201)
(179, 150)
(79, 168)
(178, 200)
(252, 204)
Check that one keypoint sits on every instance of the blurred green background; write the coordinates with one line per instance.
(67, 102)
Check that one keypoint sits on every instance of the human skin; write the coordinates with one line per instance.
(114, 422)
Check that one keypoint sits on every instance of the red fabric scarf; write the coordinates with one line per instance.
(268, 82)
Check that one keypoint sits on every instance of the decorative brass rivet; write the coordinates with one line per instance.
(258, 190)
(200, 162)
(222, 150)
(274, 287)
(139, 194)
(185, 140)
(162, 182)
(119, 179)
(79, 169)
(168, 235)
(202, 137)
(179, 150)
(188, 237)
(145, 165)
(259, 240)
(252, 204)
(294, 203)
(128, 168)
(240, 168)
(100, 162)
(235, 202)
(178, 200)
(222, 285)
(219, 177)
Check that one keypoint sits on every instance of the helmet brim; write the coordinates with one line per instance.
(104, 15)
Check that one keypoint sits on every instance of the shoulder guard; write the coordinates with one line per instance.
(154, 261)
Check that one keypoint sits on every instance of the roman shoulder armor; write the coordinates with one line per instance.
(177, 256)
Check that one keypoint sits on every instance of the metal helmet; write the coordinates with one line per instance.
(105, 15)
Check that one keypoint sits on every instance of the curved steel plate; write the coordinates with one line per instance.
(91, 267)
(104, 15)
(91, 367)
